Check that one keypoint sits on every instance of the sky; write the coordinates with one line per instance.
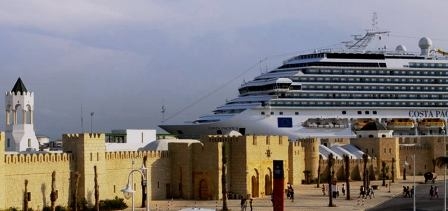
(124, 60)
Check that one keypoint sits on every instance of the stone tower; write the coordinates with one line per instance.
(311, 146)
(19, 104)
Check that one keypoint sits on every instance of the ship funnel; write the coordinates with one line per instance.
(425, 44)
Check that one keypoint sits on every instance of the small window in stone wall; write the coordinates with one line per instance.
(384, 150)
(268, 142)
(114, 188)
(280, 141)
(390, 151)
(254, 142)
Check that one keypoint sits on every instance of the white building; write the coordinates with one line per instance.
(129, 139)
(19, 105)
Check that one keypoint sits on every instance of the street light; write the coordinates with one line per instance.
(128, 192)
(414, 187)
(413, 180)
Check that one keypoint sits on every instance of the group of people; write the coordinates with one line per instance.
(365, 192)
(334, 189)
(408, 192)
(244, 203)
(433, 192)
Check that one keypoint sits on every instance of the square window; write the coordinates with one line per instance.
(344, 112)
(272, 113)
(296, 113)
(359, 112)
(280, 113)
(374, 112)
(262, 113)
(366, 112)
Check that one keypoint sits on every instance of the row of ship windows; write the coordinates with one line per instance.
(371, 80)
(364, 95)
(359, 103)
(342, 112)
(373, 72)
(428, 65)
(374, 87)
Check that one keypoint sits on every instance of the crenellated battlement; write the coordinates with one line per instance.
(81, 136)
(296, 143)
(38, 158)
(416, 147)
(118, 155)
(222, 138)
(308, 140)
(29, 94)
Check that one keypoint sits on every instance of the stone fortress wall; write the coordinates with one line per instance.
(191, 170)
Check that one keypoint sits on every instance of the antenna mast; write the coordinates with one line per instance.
(360, 42)
(163, 113)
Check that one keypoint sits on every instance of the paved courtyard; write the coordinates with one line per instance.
(307, 197)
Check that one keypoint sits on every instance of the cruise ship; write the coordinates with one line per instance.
(333, 93)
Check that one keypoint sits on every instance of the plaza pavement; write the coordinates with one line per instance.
(307, 197)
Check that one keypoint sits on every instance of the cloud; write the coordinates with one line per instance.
(124, 59)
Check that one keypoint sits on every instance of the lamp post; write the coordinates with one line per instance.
(444, 174)
(128, 192)
(415, 187)
(91, 121)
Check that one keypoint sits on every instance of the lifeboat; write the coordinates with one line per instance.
(360, 123)
(325, 123)
(400, 124)
(431, 123)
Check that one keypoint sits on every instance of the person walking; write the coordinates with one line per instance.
(436, 192)
(250, 203)
(243, 204)
(343, 189)
(431, 192)
(323, 190)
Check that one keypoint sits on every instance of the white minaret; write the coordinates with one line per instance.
(19, 104)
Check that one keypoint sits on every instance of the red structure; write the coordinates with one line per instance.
(278, 195)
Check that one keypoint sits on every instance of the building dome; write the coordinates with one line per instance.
(400, 48)
(425, 43)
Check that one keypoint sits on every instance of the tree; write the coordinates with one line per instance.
(347, 174)
(144, 184)
(75, 181)
(330, 179)
(365, 158)
(393, 170)
(25, 196)
(54, 193)
(318, 171)
(224, 177)
(404, 171)
(383, 172)
(97, 192)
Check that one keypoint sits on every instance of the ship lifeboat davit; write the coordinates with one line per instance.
(400, 124)
(431, 123)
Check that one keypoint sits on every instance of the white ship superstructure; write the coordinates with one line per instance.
(334, 92)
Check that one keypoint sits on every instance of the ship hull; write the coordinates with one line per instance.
(290, 122)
